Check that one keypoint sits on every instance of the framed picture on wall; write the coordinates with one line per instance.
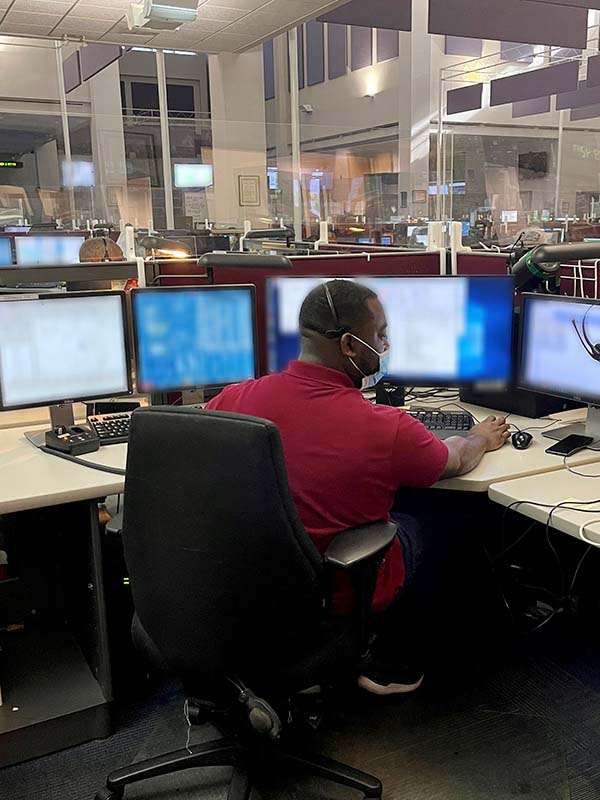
(249, 189)
(419, 195)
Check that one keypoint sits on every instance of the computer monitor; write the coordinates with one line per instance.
(444, 331)
(560, 354)
(192, 176)
(63, 347)
(194, 338)
(35, 249)
(6, 259)
(387, 241)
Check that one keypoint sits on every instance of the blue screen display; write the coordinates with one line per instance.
(190, 338)
(466, 228)
(5, 252)
(32, 250)
(442, 331)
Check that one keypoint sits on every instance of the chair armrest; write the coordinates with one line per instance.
(115, 526)
(359, 544)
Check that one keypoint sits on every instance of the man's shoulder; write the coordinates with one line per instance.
(238, 391)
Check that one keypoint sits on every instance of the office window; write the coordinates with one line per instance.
(144, 98)
(180, 99)
(269, 69)
(361, 53)
(336, 50)
(388, 45)
(315, 53)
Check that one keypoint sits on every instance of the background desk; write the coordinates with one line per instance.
(60, 695)
(551, 489)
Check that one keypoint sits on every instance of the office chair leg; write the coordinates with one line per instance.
(240, 787)
(219, 753)
(336, 772)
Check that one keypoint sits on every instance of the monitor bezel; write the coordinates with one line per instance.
(126, 341)
(521, 382)
(212, 287)
(425, 382)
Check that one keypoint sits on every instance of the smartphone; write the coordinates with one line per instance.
(569, 445)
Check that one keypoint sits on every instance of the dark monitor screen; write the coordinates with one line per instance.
(6, 259)
(187, 338)
(63, 347)
(557, 350)
(443, 331)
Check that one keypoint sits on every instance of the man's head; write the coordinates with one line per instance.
(340, 322)
(100, 248)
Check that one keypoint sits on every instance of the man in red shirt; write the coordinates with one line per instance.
(346, 457)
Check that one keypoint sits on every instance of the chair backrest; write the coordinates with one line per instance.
(224, 577)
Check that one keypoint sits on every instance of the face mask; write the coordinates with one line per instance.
(369, 381)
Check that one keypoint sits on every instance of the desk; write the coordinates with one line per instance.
(552, 489)
(508, 463)
(61, 696)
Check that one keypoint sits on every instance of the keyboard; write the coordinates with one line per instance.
(443, 423)
(111, 428)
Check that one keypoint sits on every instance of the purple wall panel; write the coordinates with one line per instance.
(515, 51)
(537, 83)
(72, 72)
(573, 3)
(466, 99)
(95, 57)
(336, 50)
(588, 112)
(388, 44)
(593, 71)
(461, 46)
(315, 53)
(361, 48)
(269, 69)
(525, 108)
(393, 14)
(510, 21)
(583, 96)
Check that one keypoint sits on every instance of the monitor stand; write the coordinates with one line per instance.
(589, 428)
(60, 415)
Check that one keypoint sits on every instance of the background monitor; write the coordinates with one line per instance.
(443, 330)
(188, 338)
(6, 259)
(387, 241)
(466, 228)
(557, 355)
(35, 249)
(63, 347)
(78, 173)
(193, 176)
(509, 216)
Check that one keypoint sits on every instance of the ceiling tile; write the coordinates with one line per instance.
(246, 5)
(94, 12)
(35, 6)
(28, 18)
(83, 27)
(127, 38)
(219, 12)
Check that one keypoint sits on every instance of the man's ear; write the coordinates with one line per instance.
(347, 345)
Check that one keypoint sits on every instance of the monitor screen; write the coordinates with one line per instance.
(63, 347)
(78, 173)
(190, 338)
(32, 249)
(466, 228)
(5, 252)
(193, 176)
(558, 340)
(442, 330)
(386, 241)
(509, 216)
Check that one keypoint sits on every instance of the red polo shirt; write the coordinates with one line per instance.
(345, 457)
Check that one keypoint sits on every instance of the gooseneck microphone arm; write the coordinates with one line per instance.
(543, 262)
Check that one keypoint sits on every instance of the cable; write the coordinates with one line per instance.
(82, 461)
(574, 471)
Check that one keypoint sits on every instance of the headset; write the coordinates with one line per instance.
(339, 330)
(593, 350)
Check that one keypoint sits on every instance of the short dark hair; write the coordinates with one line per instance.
(350, 304)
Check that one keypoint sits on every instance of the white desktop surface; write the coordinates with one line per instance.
(554, 488)
(30, 478)
(508, 462)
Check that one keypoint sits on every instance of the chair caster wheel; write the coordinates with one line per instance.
(109, 794)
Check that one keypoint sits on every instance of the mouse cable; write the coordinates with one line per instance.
(82, 461)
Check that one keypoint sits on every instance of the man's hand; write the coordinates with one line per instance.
(494, 430)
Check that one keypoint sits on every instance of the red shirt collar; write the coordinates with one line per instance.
(314, 372)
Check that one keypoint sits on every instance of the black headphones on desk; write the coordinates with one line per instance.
(593, 350)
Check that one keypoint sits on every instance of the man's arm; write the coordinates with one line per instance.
(465, 453)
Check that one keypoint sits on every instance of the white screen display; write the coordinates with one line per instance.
(32, 250)
(78, 173)
(554, 359)
(69, 348)
(193, 176)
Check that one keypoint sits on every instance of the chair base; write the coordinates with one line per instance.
(227, 752)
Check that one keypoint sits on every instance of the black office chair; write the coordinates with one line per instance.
(231, 594)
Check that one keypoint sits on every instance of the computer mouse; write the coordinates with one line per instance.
(521, 440)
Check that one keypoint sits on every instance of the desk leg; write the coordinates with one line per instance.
(101, 665)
